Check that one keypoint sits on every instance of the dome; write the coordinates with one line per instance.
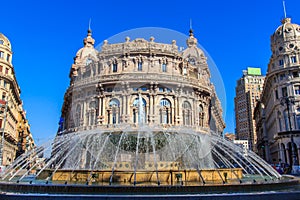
(286, 31)
(88, 51)
(193, 53)
(4, 41)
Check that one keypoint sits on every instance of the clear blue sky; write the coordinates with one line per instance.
(46, 35)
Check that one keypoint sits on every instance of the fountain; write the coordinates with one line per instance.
(140, 161)
(143, 135)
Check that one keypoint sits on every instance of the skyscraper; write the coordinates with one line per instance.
(248, 90)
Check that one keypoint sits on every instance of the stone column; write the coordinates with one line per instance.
(84, 113)
(151, 115)
(127, 105)
(103, 110)
(99, 110)
(174, 110)
(155, 113)
(288, 154)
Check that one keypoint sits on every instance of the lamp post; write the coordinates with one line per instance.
(290, 100)
(3, 130)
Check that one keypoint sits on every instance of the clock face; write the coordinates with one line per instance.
(192, 61)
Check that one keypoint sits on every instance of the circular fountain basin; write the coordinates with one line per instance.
(288, 188)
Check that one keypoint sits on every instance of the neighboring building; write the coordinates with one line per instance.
(278, 114)
(248, 90)
(244, 144)
(13, 122)
(108, 86)
(230, 136)
(26, 141)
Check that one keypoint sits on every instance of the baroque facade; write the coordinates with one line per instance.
(278, 113)
(248, 90)
(15, 130)
(108, 87)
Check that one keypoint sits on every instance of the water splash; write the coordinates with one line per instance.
(138, 150)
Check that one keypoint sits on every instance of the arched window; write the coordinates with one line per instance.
(114, 112)
(139, 110)
(91, 114)
(187, 113)
(1, 42)
(77, 116)
(165, 111)
(201, 116)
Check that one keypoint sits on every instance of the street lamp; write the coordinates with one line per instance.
(290, 100)
(3, 130)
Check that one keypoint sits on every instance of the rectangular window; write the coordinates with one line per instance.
(281, 62)
(115, 67)
(140, 66)
(1, 54)
(1, 68)
(282, 76)
(295, 74)
(284, 92)
(297, 89)
(164, 67)
(6, 70)
(294, 59)
(4, 83)
(8, 58)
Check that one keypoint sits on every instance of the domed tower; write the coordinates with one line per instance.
(15, 130)
(281, 95)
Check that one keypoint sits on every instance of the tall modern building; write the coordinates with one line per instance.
(109, 86)
(278, 114)
(248, 90)
(15, 136)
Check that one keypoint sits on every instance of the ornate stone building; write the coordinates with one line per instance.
(15, 130)
(108, 87)
(278, 113)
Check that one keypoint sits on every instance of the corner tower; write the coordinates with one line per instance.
(281, 96)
